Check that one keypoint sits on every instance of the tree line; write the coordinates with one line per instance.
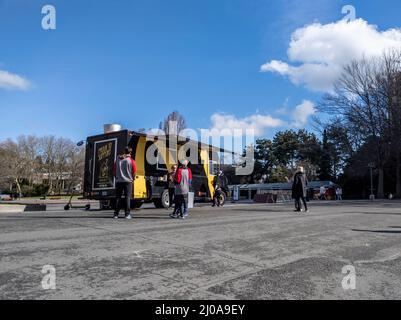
(37, 166)
(358, 128)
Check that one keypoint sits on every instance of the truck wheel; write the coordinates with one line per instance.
(223, 198)
(163, 201)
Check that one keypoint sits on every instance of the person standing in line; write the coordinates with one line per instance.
(217, 195)
(183, 180)
(220, 184)
(177, 207)
(177, 198)
(171, 185)
(124, 170)
(299, 189)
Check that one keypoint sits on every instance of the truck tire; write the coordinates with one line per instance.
(163, 201)
(223, 198)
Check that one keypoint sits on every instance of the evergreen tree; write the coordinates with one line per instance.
(326, 170)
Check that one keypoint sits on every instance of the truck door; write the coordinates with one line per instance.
(140, 188)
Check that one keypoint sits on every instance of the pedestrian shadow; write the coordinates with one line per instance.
(378, 231)
(383, 213)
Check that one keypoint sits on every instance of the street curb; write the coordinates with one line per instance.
(12, 208)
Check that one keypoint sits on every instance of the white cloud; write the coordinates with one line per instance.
(257, 122)
(298, 118)
(318, 52)
(302, 113)
(13, 81)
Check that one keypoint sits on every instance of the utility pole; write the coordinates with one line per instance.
(371, 166)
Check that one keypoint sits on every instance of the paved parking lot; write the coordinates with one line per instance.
(238, 252)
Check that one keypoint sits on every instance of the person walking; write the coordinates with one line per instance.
(339, 194)
(322, 193)
(171, 185)
(299, 189)
(124, 170)
(183, 180)
(220, 184)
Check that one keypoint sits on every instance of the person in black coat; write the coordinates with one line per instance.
(220, 185)
(299, 189)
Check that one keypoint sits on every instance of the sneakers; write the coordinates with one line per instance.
(128, 216)
(173, 216)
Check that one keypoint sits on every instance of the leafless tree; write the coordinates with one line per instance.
(173, 117)
(391, 97)
(61, 159)
(28, 147)
(363, 100)
(48, 156)
(13, 164)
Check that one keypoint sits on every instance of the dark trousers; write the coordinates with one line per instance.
(298, 203)
(171, 192)
(181, 204)
(216, 198)
(126, 189)
(184, 204)
(178, 200)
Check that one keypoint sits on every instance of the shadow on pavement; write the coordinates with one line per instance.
(383, 213)
(377, 231)
(134, 216)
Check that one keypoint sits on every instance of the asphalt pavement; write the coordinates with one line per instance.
(242, 251)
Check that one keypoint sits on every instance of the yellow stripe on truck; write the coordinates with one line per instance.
(139, 191)
(205, 158)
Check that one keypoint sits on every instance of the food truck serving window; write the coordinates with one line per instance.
(104, 157)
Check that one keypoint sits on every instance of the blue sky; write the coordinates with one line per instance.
(132, 62)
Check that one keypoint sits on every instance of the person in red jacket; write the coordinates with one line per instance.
(124, 171)
(183, 179)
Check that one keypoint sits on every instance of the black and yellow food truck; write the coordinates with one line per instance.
(150, 183)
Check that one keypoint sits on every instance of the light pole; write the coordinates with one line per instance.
(371, 166)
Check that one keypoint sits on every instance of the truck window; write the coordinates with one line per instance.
(161, 164)
(213, 167)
